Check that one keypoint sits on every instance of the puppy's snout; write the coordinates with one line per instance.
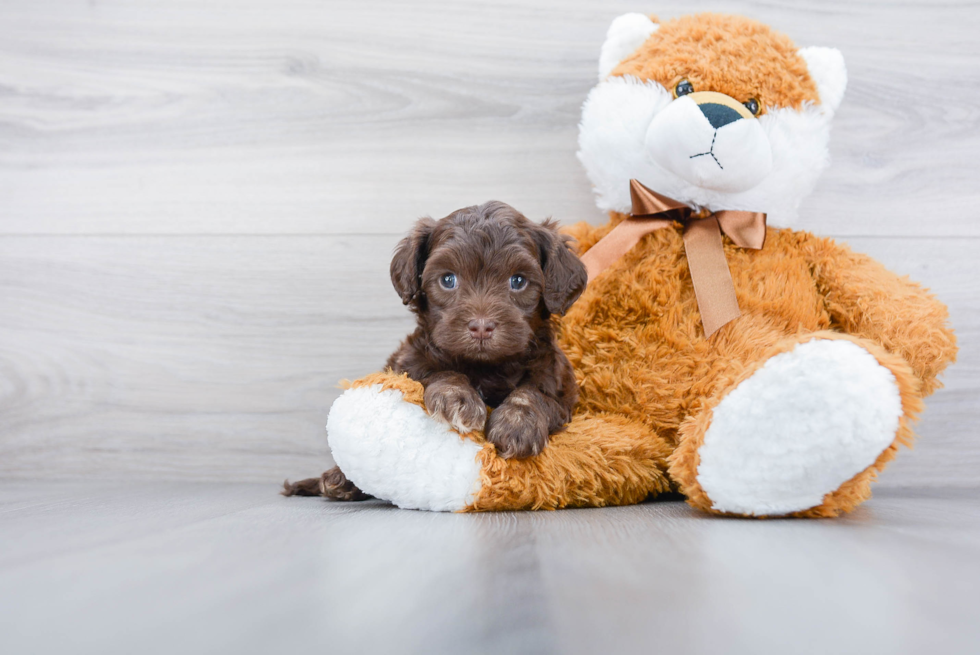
(481, 328)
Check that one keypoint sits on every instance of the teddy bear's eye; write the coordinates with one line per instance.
(683, 88)
(752, 105)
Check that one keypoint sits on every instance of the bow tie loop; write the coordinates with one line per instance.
(710, 276)
(745, 229)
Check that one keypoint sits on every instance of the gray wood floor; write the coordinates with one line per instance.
(177, 567)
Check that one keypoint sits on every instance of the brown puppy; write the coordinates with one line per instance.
(483, 283)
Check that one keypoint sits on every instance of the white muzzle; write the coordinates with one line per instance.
(710, 141)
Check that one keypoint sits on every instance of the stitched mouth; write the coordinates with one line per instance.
(710, 152)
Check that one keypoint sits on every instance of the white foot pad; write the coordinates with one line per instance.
(806, 422)
(393, 450)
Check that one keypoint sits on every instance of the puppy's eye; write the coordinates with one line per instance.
(753, 106)
(448, 281)
(518, 282)
(683, 88)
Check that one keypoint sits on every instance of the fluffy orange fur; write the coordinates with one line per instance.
(597, 460)
(660, 370)
(711, 51)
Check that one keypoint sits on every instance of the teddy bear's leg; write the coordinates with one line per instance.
(801, 432)
(388, 446)
(597, 460)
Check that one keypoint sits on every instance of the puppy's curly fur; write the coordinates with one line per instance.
(483, 283)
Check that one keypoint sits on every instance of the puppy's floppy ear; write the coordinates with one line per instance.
(409, 260)
(565, 276)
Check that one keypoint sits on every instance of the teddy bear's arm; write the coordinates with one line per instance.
(865, 299)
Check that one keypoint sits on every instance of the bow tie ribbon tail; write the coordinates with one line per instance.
(710, 275)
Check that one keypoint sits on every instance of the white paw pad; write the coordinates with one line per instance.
(806, 422)
(393, 450)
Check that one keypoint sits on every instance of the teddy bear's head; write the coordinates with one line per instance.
(718, 112)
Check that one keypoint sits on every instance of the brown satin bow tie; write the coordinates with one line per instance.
(713, 286)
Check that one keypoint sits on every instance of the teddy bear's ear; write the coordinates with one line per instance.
(826, 66)
(626, 34)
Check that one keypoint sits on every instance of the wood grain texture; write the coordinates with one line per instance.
(223, 568)
(198, 202)
(346, 116)
(185, 356)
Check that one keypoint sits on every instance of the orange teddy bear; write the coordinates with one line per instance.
(759, 371)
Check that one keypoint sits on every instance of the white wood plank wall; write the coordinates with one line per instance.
(198, 201)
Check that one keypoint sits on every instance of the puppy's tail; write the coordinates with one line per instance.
(308, 487)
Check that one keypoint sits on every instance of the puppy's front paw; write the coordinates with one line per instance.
(517, 430)
(458, 405)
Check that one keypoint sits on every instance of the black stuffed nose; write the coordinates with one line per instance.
(719, 115)
(481, 328)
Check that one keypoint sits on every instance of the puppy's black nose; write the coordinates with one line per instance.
(481, 328)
